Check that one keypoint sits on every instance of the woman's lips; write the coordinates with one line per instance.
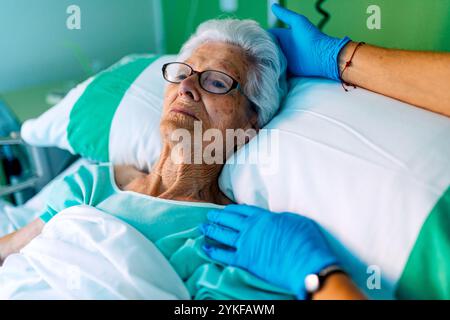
(185, 112)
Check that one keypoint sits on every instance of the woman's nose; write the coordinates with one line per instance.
(188, 88)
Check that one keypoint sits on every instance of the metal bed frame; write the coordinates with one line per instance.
(46, 163)
(36, 161)
(42, 164)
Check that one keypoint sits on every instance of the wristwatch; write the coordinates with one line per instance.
(314, 282)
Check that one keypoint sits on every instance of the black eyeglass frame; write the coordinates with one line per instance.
(236, 85)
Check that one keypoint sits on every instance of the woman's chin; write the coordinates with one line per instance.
(178, 121)
(176, 127)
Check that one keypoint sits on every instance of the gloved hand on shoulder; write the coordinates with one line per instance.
(281, 248)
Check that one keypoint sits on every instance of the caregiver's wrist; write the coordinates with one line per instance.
(344, 56)
(338, 286)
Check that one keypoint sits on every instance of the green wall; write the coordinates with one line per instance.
(181, 17)
(36, 47)
(407, 24)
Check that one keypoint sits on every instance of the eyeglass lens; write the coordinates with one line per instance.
(211, 81)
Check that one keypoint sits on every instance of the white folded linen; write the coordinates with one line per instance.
(83, 253)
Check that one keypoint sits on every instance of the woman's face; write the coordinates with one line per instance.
(187, 102)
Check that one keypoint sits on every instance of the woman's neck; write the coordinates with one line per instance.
(187, 182)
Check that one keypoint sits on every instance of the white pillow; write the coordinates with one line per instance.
(112, 116)
(368, 168)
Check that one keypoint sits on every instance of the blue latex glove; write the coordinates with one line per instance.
(281, 248)
(309, 51)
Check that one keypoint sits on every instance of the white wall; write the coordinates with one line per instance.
(37, 47)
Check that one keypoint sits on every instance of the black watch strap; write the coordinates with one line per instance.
(314, 282)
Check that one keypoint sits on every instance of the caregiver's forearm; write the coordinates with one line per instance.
(417, 77)
(338, 287)
(14, 242)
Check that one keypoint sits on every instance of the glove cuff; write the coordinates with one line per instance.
(340, 43)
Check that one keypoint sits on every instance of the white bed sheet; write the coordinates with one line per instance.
(84, 253)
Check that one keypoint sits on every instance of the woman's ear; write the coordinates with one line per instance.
(254, 121)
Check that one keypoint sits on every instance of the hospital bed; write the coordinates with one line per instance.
(133, 266)
(344, 172)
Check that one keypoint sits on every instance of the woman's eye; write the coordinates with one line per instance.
(180, 77)
(218, 84)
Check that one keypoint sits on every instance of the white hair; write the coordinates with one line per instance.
(266, 79)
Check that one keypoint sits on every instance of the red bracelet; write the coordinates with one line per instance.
(347, 64)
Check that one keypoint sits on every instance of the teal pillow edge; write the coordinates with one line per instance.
(91, 116)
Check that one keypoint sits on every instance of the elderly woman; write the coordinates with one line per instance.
(229, 75)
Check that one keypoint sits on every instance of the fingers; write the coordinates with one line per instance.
(223, 255)
(285, 15)
(227, 219)
(289, 17)
(243, 209)
(220, 234)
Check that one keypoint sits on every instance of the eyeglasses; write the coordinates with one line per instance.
(211, 81)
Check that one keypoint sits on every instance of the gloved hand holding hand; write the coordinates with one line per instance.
(281, 248)
(309, 51)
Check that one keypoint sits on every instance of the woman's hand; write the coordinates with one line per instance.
(309, 51)
(279, 248)
(5, 247)
(14, 242)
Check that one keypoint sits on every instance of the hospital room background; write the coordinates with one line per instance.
(42, 57)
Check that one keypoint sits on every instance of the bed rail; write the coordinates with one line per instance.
(31, 182)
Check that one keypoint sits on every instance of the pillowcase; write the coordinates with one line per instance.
(112, 116)
(372, 171)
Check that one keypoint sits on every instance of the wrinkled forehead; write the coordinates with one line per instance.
(220, 56)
